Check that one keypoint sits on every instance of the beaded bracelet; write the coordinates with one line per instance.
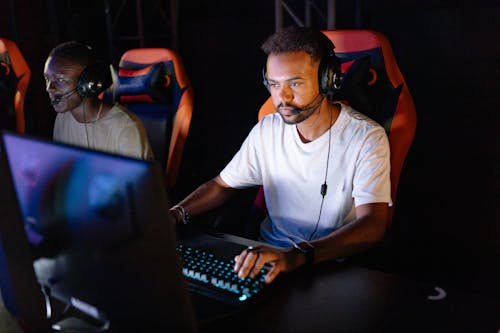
(184, 215)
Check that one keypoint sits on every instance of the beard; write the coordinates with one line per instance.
(293, 114)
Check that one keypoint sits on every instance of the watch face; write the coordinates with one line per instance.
(304, 247)
(307, 250)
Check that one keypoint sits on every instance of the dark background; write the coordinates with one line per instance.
(446, 227)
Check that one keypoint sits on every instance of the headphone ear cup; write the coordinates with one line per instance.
(94, 80)
(328, 74)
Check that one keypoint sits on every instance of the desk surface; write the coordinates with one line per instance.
(338, 297)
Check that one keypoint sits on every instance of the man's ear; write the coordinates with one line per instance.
(354, 88)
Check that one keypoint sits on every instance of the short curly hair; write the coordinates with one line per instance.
(76, 52)
(293, 38)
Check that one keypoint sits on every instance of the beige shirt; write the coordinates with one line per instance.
(118, 131)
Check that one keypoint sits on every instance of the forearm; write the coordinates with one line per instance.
(359, 235)
(208, 196)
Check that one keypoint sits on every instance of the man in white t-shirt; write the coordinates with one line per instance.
(74, 79)
(324, 167)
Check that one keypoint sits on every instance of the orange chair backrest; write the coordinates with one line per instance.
(180, 100)
(382, 92)
(14, 79)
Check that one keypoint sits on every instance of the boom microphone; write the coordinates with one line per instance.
(63, 97)
(316, 102)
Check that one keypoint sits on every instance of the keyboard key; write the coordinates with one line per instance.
(216, 276)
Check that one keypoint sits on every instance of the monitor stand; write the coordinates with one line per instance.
(68, 319)
(74, 324)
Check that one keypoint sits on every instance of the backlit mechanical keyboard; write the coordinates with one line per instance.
(215, 277)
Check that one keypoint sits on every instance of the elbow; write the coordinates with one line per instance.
(379, 230)
(375, 233)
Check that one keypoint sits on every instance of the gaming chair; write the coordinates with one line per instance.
(14, 79)
(153, 84)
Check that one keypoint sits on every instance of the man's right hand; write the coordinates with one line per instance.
(251, 260)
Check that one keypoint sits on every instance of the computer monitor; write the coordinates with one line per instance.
(100, 234)
(21, 293)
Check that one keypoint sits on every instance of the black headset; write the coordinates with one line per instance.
(329, 74)
(94, 80)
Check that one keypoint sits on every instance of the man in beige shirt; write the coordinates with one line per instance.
(74, 80)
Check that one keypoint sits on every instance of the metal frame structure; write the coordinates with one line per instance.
(310, 7)
(169, 19)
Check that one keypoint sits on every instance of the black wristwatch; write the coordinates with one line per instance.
(307, 250)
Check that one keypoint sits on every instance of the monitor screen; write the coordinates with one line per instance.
(21, 293)
(99, 231)
(70, 196)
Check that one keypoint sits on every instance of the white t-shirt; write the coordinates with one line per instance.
(292, 173)
(118, 132)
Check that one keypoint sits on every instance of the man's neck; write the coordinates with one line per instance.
(87, 111)
(319, 122)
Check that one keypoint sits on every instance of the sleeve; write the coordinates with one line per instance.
(56, 132)
(244, 170)
(133, 141)
(372, 176)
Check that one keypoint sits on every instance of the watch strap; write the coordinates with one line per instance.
(307, 250)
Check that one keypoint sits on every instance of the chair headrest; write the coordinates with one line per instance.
(8, 89)
(366, 86)
(145, 83)
(8, 79)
